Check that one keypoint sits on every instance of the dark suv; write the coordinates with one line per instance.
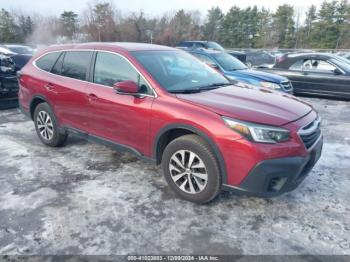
(8, 83)
(165, 106)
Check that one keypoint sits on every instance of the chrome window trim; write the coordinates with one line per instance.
(96, 50)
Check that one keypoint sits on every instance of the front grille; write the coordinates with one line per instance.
(311, 132)
(286, 85)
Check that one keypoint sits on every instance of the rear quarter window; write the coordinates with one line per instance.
(47, 61)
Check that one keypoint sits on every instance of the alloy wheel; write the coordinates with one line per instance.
(188, 171)
(45, 126)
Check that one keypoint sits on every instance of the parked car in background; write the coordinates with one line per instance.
(167, 107)
(235, 70)
(212, 46)
(20, 54)
(260, 57)
(6, 51)
(19, 49)
(8, 83)
(10, 63)
(320, 74)
(20, 60)
(346, 56)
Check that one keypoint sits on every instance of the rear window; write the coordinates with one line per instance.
(185, 44)
(47, 61)
(76, 64)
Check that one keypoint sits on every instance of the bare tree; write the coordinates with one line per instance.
(99, 22)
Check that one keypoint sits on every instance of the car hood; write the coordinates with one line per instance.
(251, 103)
(258, 75)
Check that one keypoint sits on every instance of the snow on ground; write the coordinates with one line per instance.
(85, 198)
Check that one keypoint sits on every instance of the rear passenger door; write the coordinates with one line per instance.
(69, 86)
(123, 119)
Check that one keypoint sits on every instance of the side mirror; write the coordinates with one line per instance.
(337, 71)
(126, 88)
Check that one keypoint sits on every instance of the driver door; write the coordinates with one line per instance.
(123, 119)
(324, 77)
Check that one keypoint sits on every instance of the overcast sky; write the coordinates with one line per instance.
(150, 7)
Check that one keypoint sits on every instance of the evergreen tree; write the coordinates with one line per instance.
(212, 27)
(284, 27)
(26, 27)
(9, 31)
(69, 22)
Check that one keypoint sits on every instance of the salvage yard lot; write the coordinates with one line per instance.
(85, 198)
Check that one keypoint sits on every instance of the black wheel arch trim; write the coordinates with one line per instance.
(60, 128)
(198, 132)
(42, 98)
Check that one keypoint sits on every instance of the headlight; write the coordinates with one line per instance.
(258, 133)
(270, 85)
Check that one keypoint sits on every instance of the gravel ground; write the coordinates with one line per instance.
(86, 199)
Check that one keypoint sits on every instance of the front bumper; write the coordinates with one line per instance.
(274, 177)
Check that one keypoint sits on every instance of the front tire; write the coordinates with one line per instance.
(191, 169)
(46, 126)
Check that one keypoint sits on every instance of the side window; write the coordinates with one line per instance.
(199, 45)
(57, 68)
(205, 59)
(297, 66)
(47, 61)
(76, 64)
(111, 68)
(266, 56)
(317, 65)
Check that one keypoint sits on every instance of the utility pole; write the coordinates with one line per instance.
(150, 34)
(99, 26)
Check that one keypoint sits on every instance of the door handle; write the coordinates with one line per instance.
(92, 97)
(50, 87)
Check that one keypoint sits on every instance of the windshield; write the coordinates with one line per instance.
(341, 58)
(343, 64)
(178, 71)
(228, 62)
(22, 50)
(215, 46)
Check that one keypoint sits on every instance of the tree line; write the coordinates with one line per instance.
(326, 26)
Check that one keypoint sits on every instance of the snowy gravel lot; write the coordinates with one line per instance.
(85, 198)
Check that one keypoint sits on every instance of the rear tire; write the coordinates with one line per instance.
(46, 126)
(191, 169)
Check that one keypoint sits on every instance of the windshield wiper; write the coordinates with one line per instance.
(214, 86)
(185, 91)
(200, 88)
(236, 69)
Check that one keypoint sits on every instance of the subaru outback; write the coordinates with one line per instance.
(167, 107)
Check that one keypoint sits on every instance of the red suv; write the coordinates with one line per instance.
(167, 107)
